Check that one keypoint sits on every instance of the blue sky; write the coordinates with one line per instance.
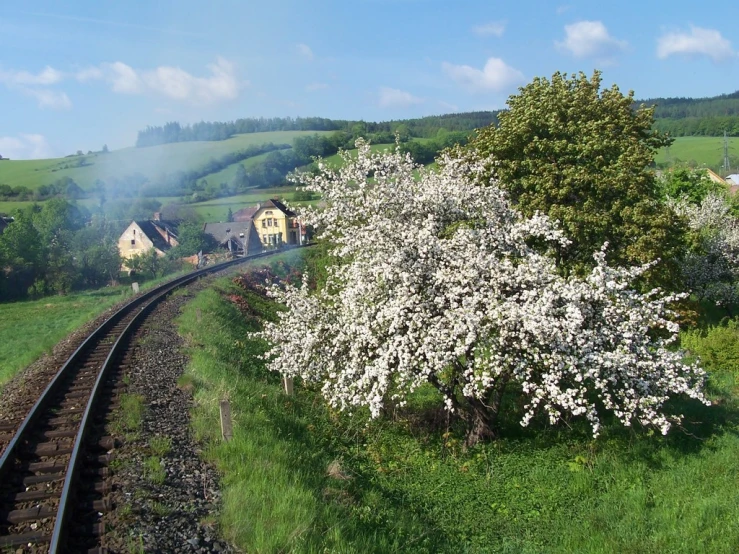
(77, 75)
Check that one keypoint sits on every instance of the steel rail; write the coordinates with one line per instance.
(149, 299)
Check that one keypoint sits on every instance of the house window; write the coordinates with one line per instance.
(133, 241)
(264, 223)
(269, 222)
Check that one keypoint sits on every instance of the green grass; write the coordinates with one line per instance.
(217, 209)
(228, 173)
(130, 415)
(154, 470)
(160, 446)
(30, 328)
(298, 477)
(151, 161)
(703, 151)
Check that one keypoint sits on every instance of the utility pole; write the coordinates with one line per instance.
(727, 165)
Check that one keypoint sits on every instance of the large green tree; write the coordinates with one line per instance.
(581, 155)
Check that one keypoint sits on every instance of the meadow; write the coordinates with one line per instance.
(152, 161)
(31, 328)
(698, 151)
(300, 477)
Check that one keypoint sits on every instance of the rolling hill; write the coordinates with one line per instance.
(151, 162)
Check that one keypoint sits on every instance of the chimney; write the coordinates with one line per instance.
(157, 216)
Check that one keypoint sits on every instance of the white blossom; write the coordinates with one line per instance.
(435, 281)
(711, 268)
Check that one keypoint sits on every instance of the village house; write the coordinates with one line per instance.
(142, 236)
(277, 225)
(238, 237)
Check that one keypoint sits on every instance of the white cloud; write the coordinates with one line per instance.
(88, 74)
(494, 28)
(495, 76)
(36, 85)
(698, 42)
(304, 51)
(563, 8)
(24, 147)
(173, 82)
(586, 39)
(178, 84)
(47, 76)
(312, 87)
(395, 98)
(48, 98)
(123, 78)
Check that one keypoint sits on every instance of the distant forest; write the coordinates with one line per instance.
(697, 116)
(424, 127)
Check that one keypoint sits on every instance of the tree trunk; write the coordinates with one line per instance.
(480, 424)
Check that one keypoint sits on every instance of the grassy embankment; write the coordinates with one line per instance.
(30, 328)
(298, 477)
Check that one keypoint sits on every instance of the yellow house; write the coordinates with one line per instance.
(276, 224)
(142, 236)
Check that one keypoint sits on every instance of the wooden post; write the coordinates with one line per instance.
(199, 314)
(288, 382)
(226, 427)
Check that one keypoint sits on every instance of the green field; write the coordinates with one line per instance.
(698, 151)
(217, 209)
(30, 328)
(152, 161)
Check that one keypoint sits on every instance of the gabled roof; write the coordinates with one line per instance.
(149, 228)
(245, 214)
(274, 203)
(232, 230)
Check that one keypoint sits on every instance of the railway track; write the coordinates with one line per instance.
(54, 464)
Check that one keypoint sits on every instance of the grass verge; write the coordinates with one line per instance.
(298, 477)
(30, 328)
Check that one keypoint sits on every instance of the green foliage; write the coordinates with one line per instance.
(717, 346)
(150, 264)
(581, 155)
(694, 185)
(192, 239)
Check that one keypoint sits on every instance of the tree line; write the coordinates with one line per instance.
(696, 116)
(423, 127)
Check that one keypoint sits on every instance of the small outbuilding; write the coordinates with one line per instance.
(238, 237)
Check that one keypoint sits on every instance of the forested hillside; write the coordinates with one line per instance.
(424, 127)
(697, 116)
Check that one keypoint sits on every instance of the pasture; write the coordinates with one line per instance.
(151, 162)
(697, 151)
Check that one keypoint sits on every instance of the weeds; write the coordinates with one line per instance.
(154, 470)
(160, 509)
(160, 446)
(130, 415)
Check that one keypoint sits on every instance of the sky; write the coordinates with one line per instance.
(75, 75)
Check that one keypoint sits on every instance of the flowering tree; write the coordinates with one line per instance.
(436, 281)
(711, 266)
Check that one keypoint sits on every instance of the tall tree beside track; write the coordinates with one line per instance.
(581, 155)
